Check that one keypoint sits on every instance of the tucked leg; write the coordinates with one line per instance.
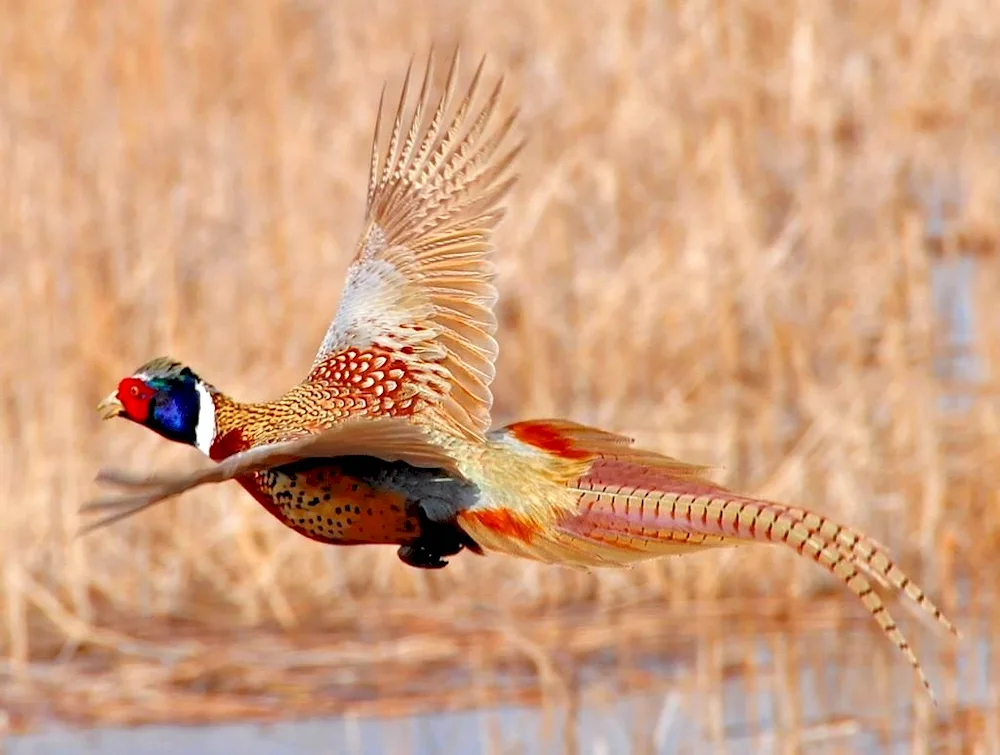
(436, 540)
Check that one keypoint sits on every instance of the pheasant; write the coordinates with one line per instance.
(387, 440)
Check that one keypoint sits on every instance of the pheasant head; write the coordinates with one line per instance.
(168, 398)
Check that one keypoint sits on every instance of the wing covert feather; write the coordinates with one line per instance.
(421, 281)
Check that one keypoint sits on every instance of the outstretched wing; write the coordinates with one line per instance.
(420, 285)
(385, 438)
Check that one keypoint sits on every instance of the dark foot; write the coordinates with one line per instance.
(421, 556)
(436, 540)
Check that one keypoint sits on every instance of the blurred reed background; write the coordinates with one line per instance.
(760, 236)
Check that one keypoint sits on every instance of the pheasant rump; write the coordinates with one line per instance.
(387, 440)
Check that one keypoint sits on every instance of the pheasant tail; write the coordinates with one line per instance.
(631, 505)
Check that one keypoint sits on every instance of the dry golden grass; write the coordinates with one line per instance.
(719, 244)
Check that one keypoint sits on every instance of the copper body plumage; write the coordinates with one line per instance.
(387, 440)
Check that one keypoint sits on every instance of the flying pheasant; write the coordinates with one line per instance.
(387, 439)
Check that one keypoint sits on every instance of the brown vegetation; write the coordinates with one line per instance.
(721, 244)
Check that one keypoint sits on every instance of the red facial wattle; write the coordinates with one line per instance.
(135, 396)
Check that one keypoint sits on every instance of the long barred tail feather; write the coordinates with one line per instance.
(634, 505)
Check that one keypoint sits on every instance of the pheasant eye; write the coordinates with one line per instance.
(134, 390)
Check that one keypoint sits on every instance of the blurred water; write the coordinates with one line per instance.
(952, 280)
(829, 719)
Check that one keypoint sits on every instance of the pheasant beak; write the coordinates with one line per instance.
(111, 407)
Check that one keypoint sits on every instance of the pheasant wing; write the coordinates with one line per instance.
(386, 438)
(419, 289)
